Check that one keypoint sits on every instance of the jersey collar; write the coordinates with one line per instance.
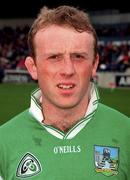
(36, 111)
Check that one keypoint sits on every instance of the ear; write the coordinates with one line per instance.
(31, 67)
(95, 65)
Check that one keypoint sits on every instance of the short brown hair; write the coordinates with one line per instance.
(62, 16)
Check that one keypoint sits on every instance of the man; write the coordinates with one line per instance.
(65, 131)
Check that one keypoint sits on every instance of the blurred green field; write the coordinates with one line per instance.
(16, 97)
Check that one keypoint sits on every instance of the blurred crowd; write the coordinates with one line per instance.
(114, 56)
(119, 31)
(114, 50)
(13, 47)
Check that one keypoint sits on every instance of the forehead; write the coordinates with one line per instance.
(62, 36)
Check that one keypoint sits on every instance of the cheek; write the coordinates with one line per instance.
(45, 71)
(41, 72)
(85, 75)
(86, 71)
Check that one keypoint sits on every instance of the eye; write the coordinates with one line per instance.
(55, 57)
(78, 56)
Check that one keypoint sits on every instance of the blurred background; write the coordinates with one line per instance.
(112, 23)
(28, 8)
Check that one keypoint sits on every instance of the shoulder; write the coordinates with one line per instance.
(13, 124)
(111, 121)
(112, 114)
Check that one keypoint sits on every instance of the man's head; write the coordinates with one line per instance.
(63, 56)
(65, 16)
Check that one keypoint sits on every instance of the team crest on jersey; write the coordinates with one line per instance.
(28, 166)
(106, 160)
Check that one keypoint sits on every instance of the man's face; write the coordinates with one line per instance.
(63, 66)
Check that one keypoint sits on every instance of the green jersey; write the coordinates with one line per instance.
(95, 148)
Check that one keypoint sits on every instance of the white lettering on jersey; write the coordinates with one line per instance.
(66, 149)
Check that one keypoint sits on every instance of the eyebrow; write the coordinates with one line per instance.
(83, 53)
(59, 53)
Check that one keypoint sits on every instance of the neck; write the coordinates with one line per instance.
(63, 119)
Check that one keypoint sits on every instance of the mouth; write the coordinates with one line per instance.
(65, 86)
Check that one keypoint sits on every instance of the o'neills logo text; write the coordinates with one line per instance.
(66, 149)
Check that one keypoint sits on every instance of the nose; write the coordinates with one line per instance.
(68, 68)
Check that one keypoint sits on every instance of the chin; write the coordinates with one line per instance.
(67, 105)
